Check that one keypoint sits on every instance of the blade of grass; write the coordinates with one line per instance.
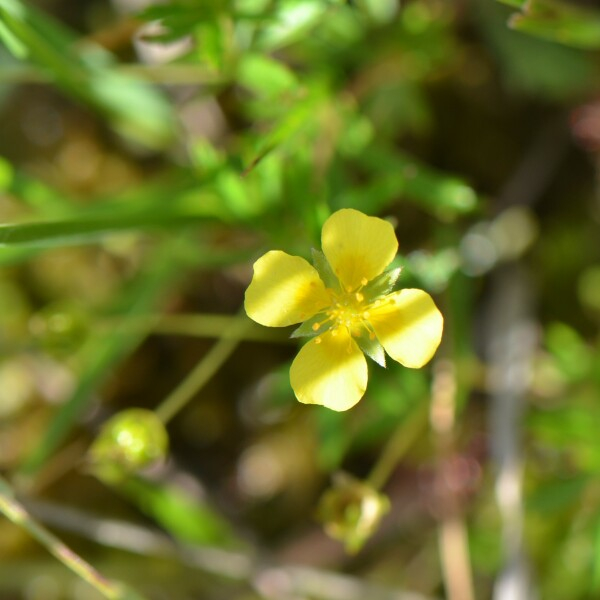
(87, 73)
(102, 353)
(77, 231)
(15, 512)
(201, 325)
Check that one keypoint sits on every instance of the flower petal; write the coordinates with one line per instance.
(330, 370)
(284, 290)
(409, 326)
(357, 247)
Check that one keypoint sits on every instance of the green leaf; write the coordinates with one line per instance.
(211, 48)
(595, 575)
(292, 20)
(177, 19)
(188, 518)
(535, 65)
(101, 354)
(285, 128)
(557, 495)
(558, 21)
(7, 174)
(573, 355)
(14, 45)
(514, 3)
(394, 175)
(87, 73)
(265, 76)
(94, 227)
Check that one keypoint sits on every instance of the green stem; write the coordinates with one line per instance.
(15, 512)
(203, 371)
(403, 438)
(200, 325)
(167, 74)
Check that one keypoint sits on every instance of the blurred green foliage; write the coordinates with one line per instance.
(149, 155)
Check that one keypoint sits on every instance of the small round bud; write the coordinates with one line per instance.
(128, 442)
(351, 511)
(59, 329)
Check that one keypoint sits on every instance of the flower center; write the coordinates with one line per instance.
(348, 310)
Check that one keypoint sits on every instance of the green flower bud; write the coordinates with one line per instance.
(59, 329)
(351, 511)
(128, 442)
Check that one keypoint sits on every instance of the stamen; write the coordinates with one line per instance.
(370, 329)
(359, 296)
(364, 281)
(317, 340)
(317, 326)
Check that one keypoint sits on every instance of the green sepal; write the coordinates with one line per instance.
(324, 269)
(372, 348)
(306, 329)
(382, 285)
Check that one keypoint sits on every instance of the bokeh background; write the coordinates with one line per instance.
(150, 152)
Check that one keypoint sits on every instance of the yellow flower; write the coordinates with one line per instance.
(346, 301)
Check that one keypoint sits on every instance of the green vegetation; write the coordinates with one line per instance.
(149, 155)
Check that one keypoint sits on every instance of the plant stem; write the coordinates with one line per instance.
(403, 438)
(15, 512)
(203, 371)
(452, 534)
(199, 325)
(166, 74)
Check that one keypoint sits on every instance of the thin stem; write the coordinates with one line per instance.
(454, 549)
(167, 74)
(15, 512)
(274, 579)
(203, 371)
(405, 435)
(452, 533)
(199, 325)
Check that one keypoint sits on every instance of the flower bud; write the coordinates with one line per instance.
(351, 511)
(59, 329)
(128, 442)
